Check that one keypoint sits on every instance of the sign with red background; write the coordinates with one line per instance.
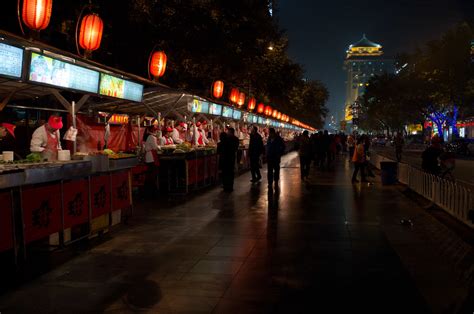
(76, 202)
(100, 195)
(6, 228)
(41, 211)
(120, 190)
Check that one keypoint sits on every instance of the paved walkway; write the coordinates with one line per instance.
(324, 246)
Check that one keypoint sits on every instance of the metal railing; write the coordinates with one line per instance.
(456, 199)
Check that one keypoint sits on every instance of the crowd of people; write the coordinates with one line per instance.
(322, 148)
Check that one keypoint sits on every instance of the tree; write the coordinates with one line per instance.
(435, 84)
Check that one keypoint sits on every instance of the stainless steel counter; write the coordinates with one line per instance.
(12, 175)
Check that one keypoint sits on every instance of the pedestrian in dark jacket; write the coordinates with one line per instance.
(275, 149)
(227, 150)
(256, 149)
(430, 157)
(305, 151)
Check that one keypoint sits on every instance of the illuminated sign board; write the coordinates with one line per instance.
(227, 112)
(255, 119)
(118, 119)
(237, 115)
(249, 118)
(260, 120)
(215, 109)
(120, 88)
(198, 106)
(11, 60)
(55, 72)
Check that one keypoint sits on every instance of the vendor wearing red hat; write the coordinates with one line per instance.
(176, 133)
(7, 137)
(166, 138)
(46, 139)
(200, 138)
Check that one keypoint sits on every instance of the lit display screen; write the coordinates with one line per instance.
(11, 60)
(54, 72)
(215, 109)
(120, 88)
(227, 112)
(250, 118)
(237, 115)
(199, 106)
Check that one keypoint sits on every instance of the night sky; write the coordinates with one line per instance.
(320, 32)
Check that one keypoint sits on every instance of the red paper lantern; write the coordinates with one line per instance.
(37, 13)
(274, 113)
(260, 108)
(91, 32)
(158, 63)
(252, 103)
(234, 95)
(268, 110)
(241, 99)
(218, 89)
(278, 116)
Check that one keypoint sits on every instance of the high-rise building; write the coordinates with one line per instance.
(364, 60)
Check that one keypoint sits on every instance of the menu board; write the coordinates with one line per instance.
(237, 114)
(227, 112)
(11, 60)
(260, 120)
(55, 72)
(198, 106)
(215, 109)
(254, 119)
(120, 88)
(249, 118)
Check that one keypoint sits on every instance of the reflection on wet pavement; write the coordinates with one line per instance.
(306, 247)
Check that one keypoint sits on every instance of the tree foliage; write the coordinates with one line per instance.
(204, 40)
(436, 83)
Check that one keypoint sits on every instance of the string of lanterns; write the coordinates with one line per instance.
(36, 15)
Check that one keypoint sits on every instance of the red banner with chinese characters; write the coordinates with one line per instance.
(76, 202)
(6, 228)
(192, 171)
(100, 195)
(41, 211)
(121, 198)
(200, 169)
(139, 174)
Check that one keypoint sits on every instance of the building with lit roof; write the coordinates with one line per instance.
(364, 60)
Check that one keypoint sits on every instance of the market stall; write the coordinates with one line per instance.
(70, 193)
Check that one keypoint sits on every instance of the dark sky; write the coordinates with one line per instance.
(320, 31)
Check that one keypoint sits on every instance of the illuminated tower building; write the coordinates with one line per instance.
(364, 60)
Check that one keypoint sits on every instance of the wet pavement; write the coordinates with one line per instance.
(319, 246)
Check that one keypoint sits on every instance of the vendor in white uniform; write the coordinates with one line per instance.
(200, 138)
(166, 138)
(46, 139)
(176, 134)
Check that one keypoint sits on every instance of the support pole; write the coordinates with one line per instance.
(74, 124)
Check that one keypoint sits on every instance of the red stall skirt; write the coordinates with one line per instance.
(41, 211)
(6, 228)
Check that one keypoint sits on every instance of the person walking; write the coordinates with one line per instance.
(359, 160)
(151, 160)
(399, 146)
(256, 149)
(305, 154)
(275, 149)
(351, 145)
(430, 156)
(227, 150)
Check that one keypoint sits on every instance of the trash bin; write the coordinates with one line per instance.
(389, 172)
